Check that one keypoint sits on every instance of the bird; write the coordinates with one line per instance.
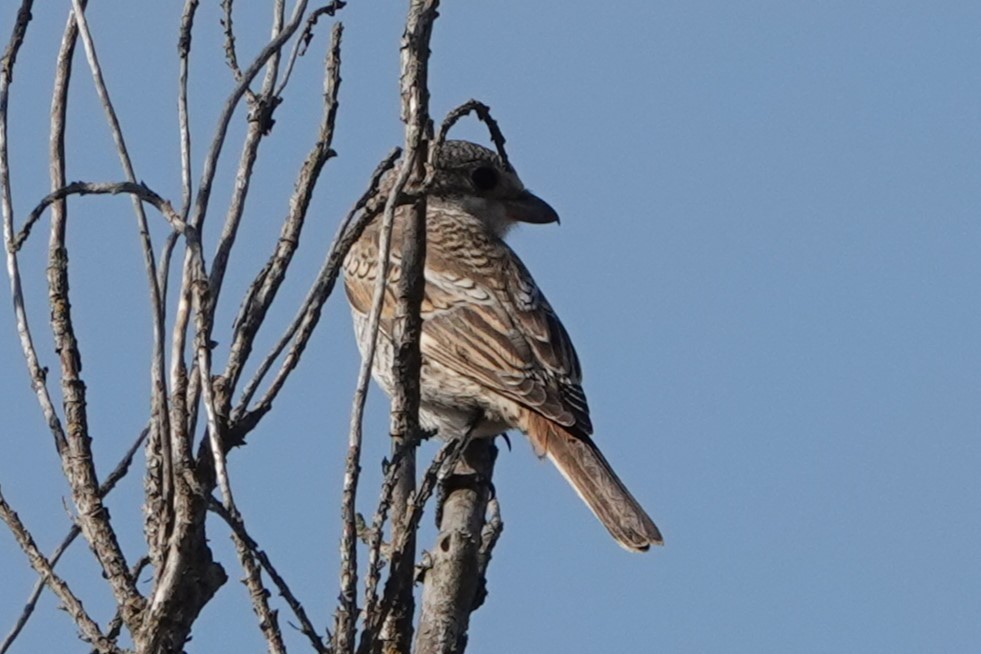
(495, 356)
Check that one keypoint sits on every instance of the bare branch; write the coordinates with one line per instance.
(308, 316)
(90, 630)
(227, 24)
(221, 129)
(396, 633)
(203, 357)
(243, 539)
(264, 287)
(107, 485)
(183, 121)
(246, 548)
(445, 459)
(303, 42)
(37, 373)
(139, 190)
(454, 579)
(483, 113)
(13, 45)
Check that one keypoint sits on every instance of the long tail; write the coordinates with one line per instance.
(589, 473)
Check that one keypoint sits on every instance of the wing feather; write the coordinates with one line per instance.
(485, 319)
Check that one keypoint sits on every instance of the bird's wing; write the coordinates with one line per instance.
(360, 273)
(487, 320)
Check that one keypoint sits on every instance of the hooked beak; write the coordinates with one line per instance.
(529, 208)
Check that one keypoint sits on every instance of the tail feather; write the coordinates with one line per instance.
(589, 473)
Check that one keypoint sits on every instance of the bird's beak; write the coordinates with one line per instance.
(529, 208)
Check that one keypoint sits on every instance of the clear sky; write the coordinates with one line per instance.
(769, 261)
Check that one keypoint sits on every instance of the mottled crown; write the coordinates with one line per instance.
(465, 168)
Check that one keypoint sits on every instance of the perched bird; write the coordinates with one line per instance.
(494, 354)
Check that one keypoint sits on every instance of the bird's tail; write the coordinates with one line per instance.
(589, 473)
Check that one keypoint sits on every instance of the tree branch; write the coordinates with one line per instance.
(243, 539)
(90, 630)
(454, 579)
(407, 324)
(267, 282)
(107, 485)
(306, 319)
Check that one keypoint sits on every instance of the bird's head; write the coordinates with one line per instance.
(471, 178)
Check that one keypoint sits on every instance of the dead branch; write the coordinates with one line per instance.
(453, 580)
(110, 482)
(187, 465)
(90, 630)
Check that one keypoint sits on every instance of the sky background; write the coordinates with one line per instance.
(769, 261)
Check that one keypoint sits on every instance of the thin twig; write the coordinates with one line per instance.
(90, 630)
(139, 190)
(237, 525)
(445, 459)
(303, 42)
(13, 45)
(183, 119)
(37, 373)
(104, 489)
(246, 550)
(483, 113)
(231, 58)
(203, 358)
(264, 287)
(347, 609)
(308, 315)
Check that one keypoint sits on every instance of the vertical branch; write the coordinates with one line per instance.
(260, 123)
(37, 373)
(77, 462)
(267, 282)
(158, 486)
(454, 581)
(183, 120)
(407, 325)
(260, 119)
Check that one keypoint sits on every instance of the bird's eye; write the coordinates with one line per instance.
(484, 178)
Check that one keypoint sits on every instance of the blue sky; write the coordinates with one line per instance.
(768, 261)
